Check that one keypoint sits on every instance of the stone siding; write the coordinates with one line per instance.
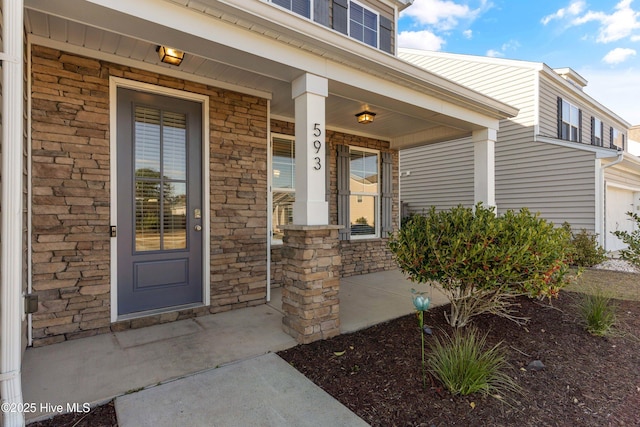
(71, 195)
(358, 256)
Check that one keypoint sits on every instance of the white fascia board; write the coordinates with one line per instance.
(600, 152)
(472, 58)
(585, 98)
(622, 186)
(359, 67)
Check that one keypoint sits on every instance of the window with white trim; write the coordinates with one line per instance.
(617, 139)
(569, 122)
(283, 183)
(363, 24)
(364, 192)
(596, 132)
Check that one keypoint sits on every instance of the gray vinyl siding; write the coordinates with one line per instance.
(558, 182)
(614, 175)
(441, 175)
(381, 7)
(513, 85)
(550, 90)
(549, 107)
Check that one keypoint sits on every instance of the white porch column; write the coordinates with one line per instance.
(484, 170)
(11, 301)
(310, 207)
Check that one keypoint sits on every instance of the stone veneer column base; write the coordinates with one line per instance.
(311, 280)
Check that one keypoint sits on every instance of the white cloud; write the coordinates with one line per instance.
(468, 34)
(494, 53)
(425, 40)
(506, 47)
(618, 90)
(618, 25)
(618, 55)
(510, 45)
(574, 8)
(443, 15)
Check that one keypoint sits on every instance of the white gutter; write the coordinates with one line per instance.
(29, 199)
(615, 162)
(11, 299)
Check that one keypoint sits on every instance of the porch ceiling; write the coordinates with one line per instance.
(92, 29)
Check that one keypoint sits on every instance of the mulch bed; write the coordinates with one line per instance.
(100, 416)
(587, 381)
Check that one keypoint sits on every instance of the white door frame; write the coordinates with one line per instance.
(114, 84)
(636, 196)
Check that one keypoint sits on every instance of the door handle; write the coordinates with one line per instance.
(198, 227)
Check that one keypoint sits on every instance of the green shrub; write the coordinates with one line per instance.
(464, 366)
(632, 252)
(482, 261)
(362, 221)
(586, 252)
(598, 312)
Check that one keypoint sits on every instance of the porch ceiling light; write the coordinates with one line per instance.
(170, 55)
(365, 117)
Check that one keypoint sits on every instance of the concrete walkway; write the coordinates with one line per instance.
(249, 386)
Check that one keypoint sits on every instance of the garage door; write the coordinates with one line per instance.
(619, 202)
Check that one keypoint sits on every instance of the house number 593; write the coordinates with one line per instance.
(317, 145)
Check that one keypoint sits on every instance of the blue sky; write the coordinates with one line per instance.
(599, 39)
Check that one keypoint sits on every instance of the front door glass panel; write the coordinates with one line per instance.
(160, 150)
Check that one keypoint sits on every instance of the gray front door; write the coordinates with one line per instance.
(159, 145)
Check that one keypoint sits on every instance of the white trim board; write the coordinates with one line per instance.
(601, 152)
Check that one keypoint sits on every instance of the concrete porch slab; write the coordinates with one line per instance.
(99, 368)
(142, 336)
(263, 391)
(370, 299)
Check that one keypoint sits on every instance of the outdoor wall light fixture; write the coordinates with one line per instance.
(170, 55)
(365, 117)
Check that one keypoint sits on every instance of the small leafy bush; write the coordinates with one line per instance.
(586, 252)
(464, 365)
(362, 221)
(598, 312)
(483, 261)
(632, 252)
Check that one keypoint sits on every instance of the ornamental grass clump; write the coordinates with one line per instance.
(464, 365)
(598, 312)
(483, 261)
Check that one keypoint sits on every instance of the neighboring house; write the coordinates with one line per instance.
(564, 155)
(634, 140)
(137, 191)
